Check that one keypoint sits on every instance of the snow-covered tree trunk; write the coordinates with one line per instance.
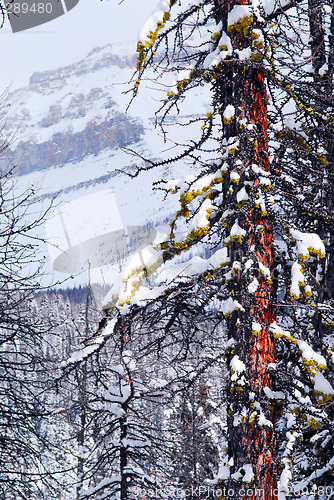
(123, 421)
(241, 88)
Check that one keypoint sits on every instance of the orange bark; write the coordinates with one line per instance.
(248, 443)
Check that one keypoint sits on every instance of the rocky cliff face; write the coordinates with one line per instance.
(69, 113)
(70, 146)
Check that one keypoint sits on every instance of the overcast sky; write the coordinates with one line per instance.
(69, 38)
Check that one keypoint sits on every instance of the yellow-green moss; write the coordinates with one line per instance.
(242, 25)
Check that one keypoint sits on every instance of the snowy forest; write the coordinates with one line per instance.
(208, 371)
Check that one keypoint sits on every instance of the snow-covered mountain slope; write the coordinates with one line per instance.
(58, 115)
(70, 127)
(71, 132)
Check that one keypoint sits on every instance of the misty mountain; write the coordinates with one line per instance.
(71, 134)
(71, 112)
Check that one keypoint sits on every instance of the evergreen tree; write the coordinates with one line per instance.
(260, 295)
(118, 431)
(196, 443)
(262, 168)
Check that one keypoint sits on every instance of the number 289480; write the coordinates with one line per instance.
(24, 8)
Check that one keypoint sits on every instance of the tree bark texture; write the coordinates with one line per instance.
(251, 418)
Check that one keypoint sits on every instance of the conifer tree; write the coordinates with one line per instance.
(195, 439)
(256, 210)
(115, 413)
(258, 162)
(315, 94)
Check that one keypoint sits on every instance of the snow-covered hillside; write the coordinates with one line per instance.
(71, 132)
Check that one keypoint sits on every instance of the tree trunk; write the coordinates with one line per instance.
(81, 375)
(317, 35)
(251, 418)
(125, 474)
